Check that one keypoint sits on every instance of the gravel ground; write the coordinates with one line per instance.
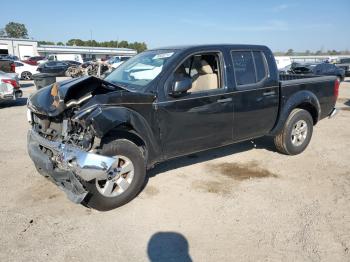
(203, 207)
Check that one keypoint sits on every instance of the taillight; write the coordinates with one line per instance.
(13, 67)
(336, 89)
(12, 82)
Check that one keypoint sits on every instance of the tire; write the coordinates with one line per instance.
(26, 75)
(128, 150)
(289, 144)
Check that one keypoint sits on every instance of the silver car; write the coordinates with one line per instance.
(9, 86)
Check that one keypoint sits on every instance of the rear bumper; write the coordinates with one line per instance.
(67, 166)
(11, 95)
(333, 113)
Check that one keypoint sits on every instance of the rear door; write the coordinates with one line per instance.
(256, 94)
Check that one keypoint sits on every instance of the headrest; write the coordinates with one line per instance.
(204, 68)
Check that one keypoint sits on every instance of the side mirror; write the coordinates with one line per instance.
(181, 86)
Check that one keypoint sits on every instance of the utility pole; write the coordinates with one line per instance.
(90, 41)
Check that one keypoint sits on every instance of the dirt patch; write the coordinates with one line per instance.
(151, 191)
(242, 171)
(214, 187)
(232, 174)
(342, 100)
(345, 108)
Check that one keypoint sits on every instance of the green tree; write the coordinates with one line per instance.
(59, 43)
(75, 41)
(46, 43)
(16, 30)
(290, 52)
(2, 32)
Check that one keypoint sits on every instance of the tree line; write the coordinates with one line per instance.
(291, 52)
(139, 46)
(18, 30)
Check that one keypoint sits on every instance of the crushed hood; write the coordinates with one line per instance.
(86, 91)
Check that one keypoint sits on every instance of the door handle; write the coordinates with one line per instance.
(269, 93)
(224, 100)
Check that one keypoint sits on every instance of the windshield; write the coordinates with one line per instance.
(141, 69)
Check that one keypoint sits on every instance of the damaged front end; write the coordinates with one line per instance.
(67, 165)
(63, 143)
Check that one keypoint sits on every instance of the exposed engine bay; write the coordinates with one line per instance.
(63, 129)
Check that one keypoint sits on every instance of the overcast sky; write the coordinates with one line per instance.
(299, 25)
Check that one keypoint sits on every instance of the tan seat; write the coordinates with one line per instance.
(205, 79)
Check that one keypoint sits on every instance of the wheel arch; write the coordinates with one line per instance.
(304, 100)
(125, 131)
(122, 122)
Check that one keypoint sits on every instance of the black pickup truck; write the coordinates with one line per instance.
(96, 138)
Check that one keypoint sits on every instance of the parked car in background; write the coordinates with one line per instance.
(25, 71)
(72, 63)
(96, 138)
(58, 68)
(34, 60)
(302, 69)
(7, 66)
(297, 68)
(116, 61)
(9, 57)
(9, 86)
(326, 69)
(344, 63)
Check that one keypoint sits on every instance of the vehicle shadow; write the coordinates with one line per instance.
(260, 143)
(347, 103)
(21, 101)
(168, 246)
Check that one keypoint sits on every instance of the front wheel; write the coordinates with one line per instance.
(296, 133)
(129, 176)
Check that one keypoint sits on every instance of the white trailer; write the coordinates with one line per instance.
(62, 57)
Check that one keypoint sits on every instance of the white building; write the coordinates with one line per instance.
(85, 51)
(24, 48)
(18, 47)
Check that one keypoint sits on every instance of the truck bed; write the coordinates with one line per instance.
(321, 86)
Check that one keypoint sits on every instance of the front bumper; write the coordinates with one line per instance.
(67, 166)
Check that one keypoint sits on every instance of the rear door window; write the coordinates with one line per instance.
(259, 65)
(244, 67)
(249, 68)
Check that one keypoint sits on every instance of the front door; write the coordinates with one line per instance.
(202, 117)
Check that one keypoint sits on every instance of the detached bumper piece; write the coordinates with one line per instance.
(67, 165)
(333, 113)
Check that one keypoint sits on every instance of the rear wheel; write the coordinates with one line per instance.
(296, 133)
(26, 75)
(128, 177)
